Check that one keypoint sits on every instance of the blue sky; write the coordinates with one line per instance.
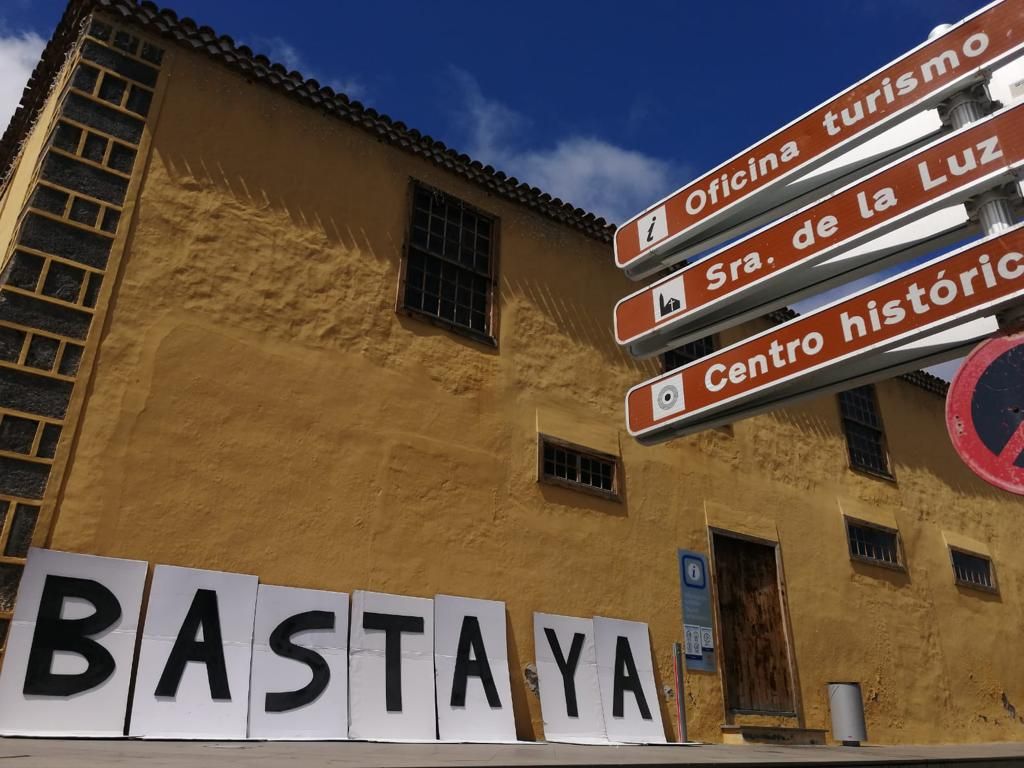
(608, 104)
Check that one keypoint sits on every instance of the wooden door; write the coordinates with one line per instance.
(755, 654)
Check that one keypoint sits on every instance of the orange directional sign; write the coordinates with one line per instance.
(751, 183)
(977, 280)
(765, 269)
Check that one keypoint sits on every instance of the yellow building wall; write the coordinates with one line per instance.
(258, 406)
(16, 189)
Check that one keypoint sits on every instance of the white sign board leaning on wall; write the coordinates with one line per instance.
(629, 696)
(69, 655)
(391, 668)
(223, 658)
(570, 696)
(193, 678)
(474, 694)
(299, 683)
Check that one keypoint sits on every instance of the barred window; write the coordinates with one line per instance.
(972, 570)
(580, 468)
(449, 271)
(874, 544)
(865, 436)
(688, 353)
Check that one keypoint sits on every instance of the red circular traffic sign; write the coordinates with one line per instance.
(985, 412)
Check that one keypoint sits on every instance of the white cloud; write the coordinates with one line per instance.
(19, 54)
(586, 171)
(593, 174)
(282, 52)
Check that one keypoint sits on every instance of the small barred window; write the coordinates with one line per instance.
(575, 467)
(874, 544)
(972, 570)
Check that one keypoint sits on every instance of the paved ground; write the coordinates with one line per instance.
(55, 753)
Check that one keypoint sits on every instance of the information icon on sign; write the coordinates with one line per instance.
(652, 227)
(693, 572)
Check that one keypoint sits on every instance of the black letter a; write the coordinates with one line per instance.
(210, 650)
(626, 679)
(472, 641)
(71, 635)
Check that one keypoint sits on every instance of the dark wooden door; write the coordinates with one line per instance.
(755, 658)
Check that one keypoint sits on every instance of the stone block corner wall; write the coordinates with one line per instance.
(58, 271)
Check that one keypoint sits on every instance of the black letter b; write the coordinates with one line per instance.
(54, 634)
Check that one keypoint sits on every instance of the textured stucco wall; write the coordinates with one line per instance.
(257, 406)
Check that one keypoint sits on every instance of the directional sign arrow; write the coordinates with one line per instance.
(768, 268)
(977, 280)
(753, 181)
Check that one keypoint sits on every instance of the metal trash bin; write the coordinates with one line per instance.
(847, 709)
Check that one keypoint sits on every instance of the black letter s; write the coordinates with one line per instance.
(281, 644)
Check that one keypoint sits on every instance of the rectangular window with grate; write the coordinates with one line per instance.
(874, 544)
(563, 463)
(865, 436)
(688, 353)
(971, 570)
(449, 268)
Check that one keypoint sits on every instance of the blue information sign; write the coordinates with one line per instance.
(698, 628)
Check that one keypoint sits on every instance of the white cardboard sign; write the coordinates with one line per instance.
(474, 694)
(222, 658)
(391, 668)
(69, 654)
(629, 696)
(193, 677)
(299, 683)
(570, 696)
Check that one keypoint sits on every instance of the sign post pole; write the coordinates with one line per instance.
(677, 663)
(966, 107)
(993, 208)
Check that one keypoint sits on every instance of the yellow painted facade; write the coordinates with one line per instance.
(252, 402)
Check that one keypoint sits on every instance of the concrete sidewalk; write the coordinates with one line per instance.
(66, 753)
